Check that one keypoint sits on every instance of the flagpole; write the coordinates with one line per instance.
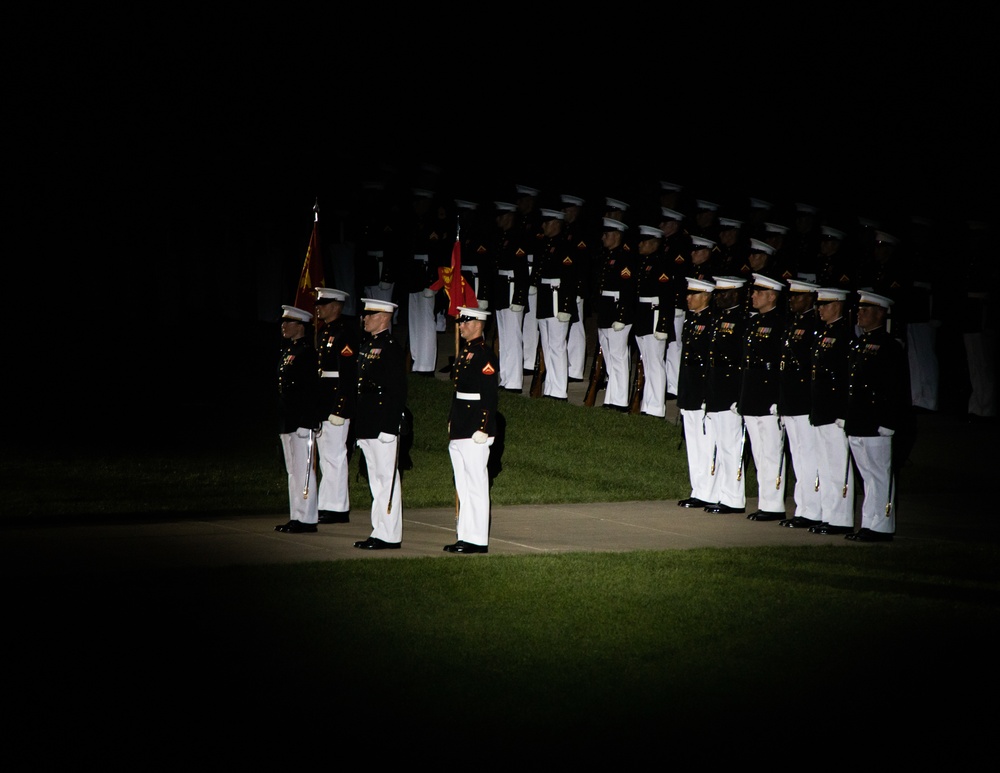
(458, 233)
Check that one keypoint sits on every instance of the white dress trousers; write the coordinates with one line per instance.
(654, 369)
(768, 448)
(803, 447)
(921, 347)
(614, 345)
(469, 461)
(836, 471)
(729, 479)
(334, 492)
(510, 355)
(552, 334)
(529, 331)
(295, 446)
(699, 440)
(387, 523)
(674, 352)
(423, 332)
(576, 344)
(873, 455)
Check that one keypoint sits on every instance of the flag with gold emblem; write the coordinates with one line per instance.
(460, 293)
(312, 275)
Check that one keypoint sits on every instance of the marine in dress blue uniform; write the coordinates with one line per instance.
(337, 343)
(677, 249)
(758, 402)
(381, 401)
(509, 295)
(472, 428)
(299, 418)
(429, 240)
(830, 370)
(692, 389)
(616, 301)
(877, 405)
(556, 278)
(580, 241)
(654, 317)
(725, 369)
(794, 402)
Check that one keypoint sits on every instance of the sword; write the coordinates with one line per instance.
(892, 481)
(847, 475)
(395, 465)
(781, 465)
(743, 444)
(715, 453)
(816, 485)
(309, 464)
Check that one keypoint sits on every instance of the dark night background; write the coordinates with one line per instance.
(170, 168)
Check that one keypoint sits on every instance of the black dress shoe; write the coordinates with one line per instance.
(374, 543)
(693, 502)
(572, 380)
(826, 528)
(722, 509)
(798, 522)
(283, 526)
(297, 527)
(765, 515)
(334, 516)
(466, 547)
(560, 399)
(511, 389)
(867, 535)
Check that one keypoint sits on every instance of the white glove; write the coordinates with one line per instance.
(479, 437)
(886, 432)
(532, 290)
(385, 285)
(733, 408)
(335, 420)
(385, 437)
(661, 336)
(618, 326)
(839, 423)
(773, 410)
(517, 308)
(563, 316)
(428, 292)
(484, 304)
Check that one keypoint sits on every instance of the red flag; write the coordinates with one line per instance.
(459, 292)
(312, 271)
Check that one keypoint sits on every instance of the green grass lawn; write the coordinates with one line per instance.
(582, 648)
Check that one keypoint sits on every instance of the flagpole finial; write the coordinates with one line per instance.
(458, 226)
(316, 210)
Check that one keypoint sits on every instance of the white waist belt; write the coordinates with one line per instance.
(505, 272)
(329, 374)
(548, 281)
(467, 395)
(610, 294)
(922, 285)
(420, 257)
(649, 299)
(470, 269)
